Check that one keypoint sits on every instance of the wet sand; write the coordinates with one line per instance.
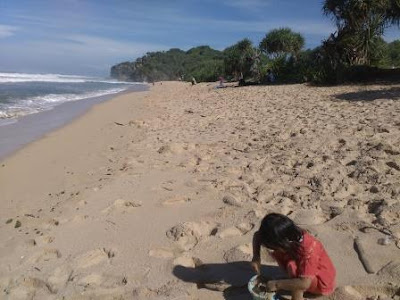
(156, 195)
(15, 134)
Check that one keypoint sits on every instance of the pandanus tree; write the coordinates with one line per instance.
(239, 58)
(360, 24)
(282, 42)
(393, 12)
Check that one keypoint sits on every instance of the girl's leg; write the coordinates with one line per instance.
(297, 295)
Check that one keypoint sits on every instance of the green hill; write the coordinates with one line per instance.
(203, 63)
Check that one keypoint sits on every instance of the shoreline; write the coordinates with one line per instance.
(26, 129)
(147, 194)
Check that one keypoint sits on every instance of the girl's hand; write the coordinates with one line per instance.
(256, 266)
(272, 286)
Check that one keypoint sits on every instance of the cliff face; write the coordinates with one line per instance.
(203, 63)
(127, 71)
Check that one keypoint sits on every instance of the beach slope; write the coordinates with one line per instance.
(156, 195)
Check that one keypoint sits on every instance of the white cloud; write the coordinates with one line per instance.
(6, 31)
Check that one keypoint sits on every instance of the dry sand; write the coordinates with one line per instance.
(156, 195)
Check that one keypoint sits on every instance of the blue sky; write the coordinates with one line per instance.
(89, 36)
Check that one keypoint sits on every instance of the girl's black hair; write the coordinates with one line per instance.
(279, 232)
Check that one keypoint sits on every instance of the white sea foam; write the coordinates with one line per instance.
(24, 77)
(36, 104)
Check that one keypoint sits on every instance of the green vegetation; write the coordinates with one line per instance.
(357, 41)
(356, 51)
(392, 55)
(203, 63)
(282, 42)
(242, 60)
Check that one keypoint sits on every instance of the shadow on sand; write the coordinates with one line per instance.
(389, 94)
(230, 278)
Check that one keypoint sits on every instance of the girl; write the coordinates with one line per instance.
(298, 253)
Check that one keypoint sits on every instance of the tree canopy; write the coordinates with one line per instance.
(360, 24)
(238, 58)
(282, 42)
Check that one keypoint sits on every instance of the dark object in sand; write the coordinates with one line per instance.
(17, 224)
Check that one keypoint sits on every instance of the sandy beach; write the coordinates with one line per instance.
(156, 195)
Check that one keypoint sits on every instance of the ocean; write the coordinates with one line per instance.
(23, 94)
(31, 105)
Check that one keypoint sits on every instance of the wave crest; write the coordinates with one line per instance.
(25, 77)
(46, 102)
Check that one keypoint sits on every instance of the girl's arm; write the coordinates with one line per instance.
(295, 285)
(256, 261)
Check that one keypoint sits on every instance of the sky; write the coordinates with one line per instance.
(87, 37)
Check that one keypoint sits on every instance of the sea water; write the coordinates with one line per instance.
(32, 105)
(23, 94)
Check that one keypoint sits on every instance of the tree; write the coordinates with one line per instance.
(282, 42)
(360, 24)
(393, 12)
(394, 53)
(238, 59)
(202, 62)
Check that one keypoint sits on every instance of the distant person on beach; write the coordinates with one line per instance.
(241, 80)
(270, 76)
(298, 253)
(221, 82)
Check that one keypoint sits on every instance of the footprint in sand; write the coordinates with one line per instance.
(161, 253)
(28, 288)
(190, 162)
(94, 281)
(187, 261)
(60, 277)
(93, 258)
(80, 218)
(241, 190)
(177, 199)
(175, 148)
(45, 255)
(245, 227)
(230, 232)
(46, 239)
(51, 223)
(232, 200)
(309, 217)
(121, 206)
(30, 243)
(188, 234)
(239, 253)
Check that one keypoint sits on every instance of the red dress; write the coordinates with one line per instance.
(312, 262)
